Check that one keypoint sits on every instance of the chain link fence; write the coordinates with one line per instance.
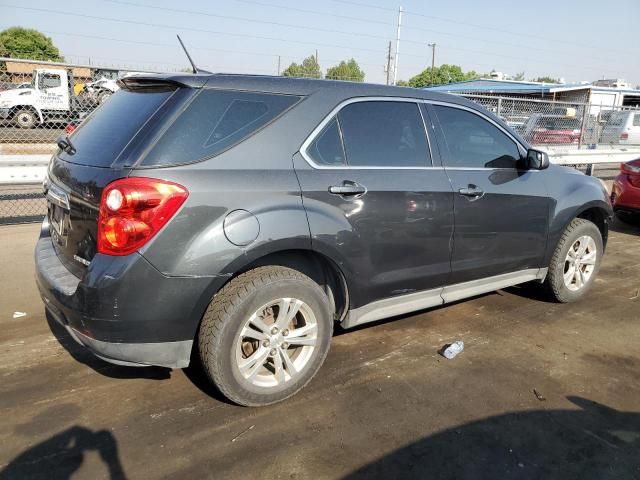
(566, 125)
(42, 100)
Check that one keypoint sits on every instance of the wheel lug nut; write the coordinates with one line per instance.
(274, 330)
(285, 345)
(266, 343)
(285, 332)
(272, 352)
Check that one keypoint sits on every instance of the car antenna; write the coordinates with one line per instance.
(193, 65)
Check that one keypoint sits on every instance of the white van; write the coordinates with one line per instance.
(622, 128)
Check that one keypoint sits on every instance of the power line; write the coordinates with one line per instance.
(315, 12)
(500, 30)
(194, 47)
(243, 19)
(200, 30)
(366, 5)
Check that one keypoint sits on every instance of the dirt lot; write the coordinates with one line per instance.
(385, 405)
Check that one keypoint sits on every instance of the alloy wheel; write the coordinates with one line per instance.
(276, 342)
(580, 263)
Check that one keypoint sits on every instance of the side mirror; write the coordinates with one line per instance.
(537, 160)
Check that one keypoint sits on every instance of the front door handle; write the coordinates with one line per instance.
(472, 192)
(348, 188)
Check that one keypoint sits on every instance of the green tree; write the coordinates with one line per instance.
(546, 79)
(402, 83)
(308, 69)
(519, 76)
(28, 43)
(346, 71)
(441, 75)
(3, 50)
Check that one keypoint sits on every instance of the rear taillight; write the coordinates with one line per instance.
(624, 136)
(132, 210)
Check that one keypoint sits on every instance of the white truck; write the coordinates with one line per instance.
(50, 98)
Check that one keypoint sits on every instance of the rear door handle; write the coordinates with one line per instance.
(348, 188)
(472, 192)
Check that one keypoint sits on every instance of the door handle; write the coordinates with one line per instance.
(348, 188)
(472, 192)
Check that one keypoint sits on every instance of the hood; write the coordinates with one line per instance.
(15, 95)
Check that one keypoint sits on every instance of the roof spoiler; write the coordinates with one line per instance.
(135, 82)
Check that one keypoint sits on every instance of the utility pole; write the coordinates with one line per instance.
(433, 59)
(389, 63)
(395, 62)
(278, 65)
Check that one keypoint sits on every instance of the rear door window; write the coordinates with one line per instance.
(384, 134)
(215, 121)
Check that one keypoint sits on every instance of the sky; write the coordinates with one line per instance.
(572, 39)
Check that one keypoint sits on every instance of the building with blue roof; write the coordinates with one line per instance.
(597, 95)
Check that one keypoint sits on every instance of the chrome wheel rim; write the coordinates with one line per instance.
(580, 263)
(276, 343)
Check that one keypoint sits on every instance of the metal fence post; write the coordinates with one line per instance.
(585, 109)
(499, 107)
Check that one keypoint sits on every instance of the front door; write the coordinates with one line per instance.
(375, 202)
(501, 209)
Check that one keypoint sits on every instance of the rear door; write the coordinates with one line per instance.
(501, 210)
(375, 202)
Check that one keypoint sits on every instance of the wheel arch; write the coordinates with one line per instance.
(320, 268)
(597, 211)
(16, 108)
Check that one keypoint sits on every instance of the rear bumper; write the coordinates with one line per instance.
(123, 309)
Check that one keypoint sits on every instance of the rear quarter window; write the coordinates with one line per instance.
(215, 121)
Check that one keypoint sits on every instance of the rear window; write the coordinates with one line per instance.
(103, 136)
(215, 121)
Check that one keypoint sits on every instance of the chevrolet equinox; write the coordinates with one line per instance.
(234, 219)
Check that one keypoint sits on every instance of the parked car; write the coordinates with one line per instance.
(237, 218)
(551, 129)
(622, 128)
(625, 194)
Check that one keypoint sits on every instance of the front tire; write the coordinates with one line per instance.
(265, 335)
(575, 262)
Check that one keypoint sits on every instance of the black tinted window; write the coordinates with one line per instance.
(475, 142)
(389, 134)
(215, 121)
(102, 137)
(327, 147)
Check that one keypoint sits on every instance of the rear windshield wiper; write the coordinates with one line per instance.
(64, 143)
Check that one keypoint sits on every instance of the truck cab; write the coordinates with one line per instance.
(47, 98)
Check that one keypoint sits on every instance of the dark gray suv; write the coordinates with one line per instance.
(235, 219)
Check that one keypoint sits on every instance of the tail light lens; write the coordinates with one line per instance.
(133, 210)
(624, 136)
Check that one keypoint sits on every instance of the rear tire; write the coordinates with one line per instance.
(575, 262)
(265, 335)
